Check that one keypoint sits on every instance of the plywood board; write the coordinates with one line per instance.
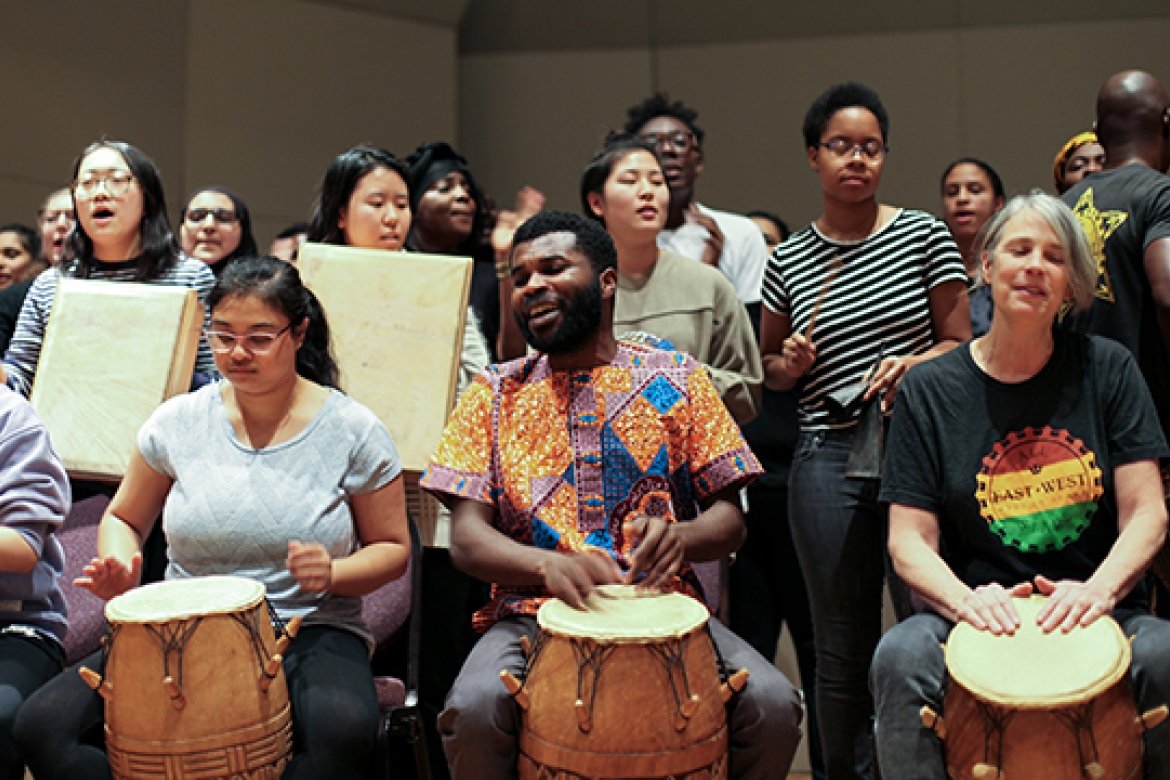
(113, 351)
(397, 320)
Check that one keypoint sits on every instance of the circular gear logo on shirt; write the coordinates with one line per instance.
(1038, 489)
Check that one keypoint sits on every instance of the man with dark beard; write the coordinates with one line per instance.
(593, 461)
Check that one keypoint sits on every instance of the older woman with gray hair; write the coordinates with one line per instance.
(1015, 408)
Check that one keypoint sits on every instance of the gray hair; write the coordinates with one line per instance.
(1082, 268)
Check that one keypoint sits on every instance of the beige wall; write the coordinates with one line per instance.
(257, 95)
(1009, 94)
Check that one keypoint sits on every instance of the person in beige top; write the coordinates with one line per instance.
(662, 294)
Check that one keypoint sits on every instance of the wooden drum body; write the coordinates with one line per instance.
(1040, 706)
(629, 688)
(193, 682)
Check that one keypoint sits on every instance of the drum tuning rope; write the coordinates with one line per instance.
(1079, 722)
(672, 655)
(724, 674)
(249, 622)
(995, 723)
(591, 656)
(171, 639)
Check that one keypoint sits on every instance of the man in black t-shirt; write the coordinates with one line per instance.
(1125, 211)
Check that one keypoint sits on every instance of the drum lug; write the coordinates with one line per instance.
(989, 771)
(270, 670)
(178, 701)
(94, 680)
(515, 688)
(584, 717)
(526, 646)
(1151, 718)
(735, 683)
(287, 636)
(933, 721)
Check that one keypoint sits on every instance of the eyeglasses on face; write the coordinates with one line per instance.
(222, 216)
(681, 141)
(221, 341)
(843, 147)
(116, 184)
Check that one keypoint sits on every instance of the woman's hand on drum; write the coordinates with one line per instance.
(990, 608)
(658, 551)
(885, 379)
(1070, 603)
(109, 577)
(572, 576)
(311, 564)
(797, 355)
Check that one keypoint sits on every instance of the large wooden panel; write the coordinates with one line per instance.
(113, 351)
(397, 320)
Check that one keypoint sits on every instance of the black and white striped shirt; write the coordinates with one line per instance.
(878, 302)
(24, 351)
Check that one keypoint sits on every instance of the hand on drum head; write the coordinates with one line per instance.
(311, 564)
(572, 576)
(109, 577)
(990, 608)
(658, 551)
(1070, 603)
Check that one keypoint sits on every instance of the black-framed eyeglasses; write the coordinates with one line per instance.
(682, 141)
(221, 341)
(117, 184)
(843, 147)
(222, 216)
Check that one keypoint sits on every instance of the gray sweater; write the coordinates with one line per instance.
(34, 499)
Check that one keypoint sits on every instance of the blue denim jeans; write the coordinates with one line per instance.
(840, 536)
(909, 671)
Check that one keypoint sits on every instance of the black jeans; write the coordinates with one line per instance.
(26, 663)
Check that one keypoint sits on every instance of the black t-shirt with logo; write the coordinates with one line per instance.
(1123, 211)
(1021, 475)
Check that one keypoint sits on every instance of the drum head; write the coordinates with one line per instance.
(161, 602)
(1032, 669)
(624, 613)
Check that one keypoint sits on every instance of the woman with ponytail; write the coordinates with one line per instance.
(271, 473)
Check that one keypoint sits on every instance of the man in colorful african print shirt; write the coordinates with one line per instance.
(592, 461)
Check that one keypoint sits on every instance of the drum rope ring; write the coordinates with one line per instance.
(171, 640)
(591, 656)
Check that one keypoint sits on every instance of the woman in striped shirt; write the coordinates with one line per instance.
(122, 235)
(850, 303)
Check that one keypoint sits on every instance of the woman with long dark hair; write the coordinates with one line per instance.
(122, 235)
(365, 201)
(206, 461)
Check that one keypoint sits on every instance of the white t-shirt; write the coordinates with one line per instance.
(744, 257)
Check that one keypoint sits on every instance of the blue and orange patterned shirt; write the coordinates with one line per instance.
(566, 456)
